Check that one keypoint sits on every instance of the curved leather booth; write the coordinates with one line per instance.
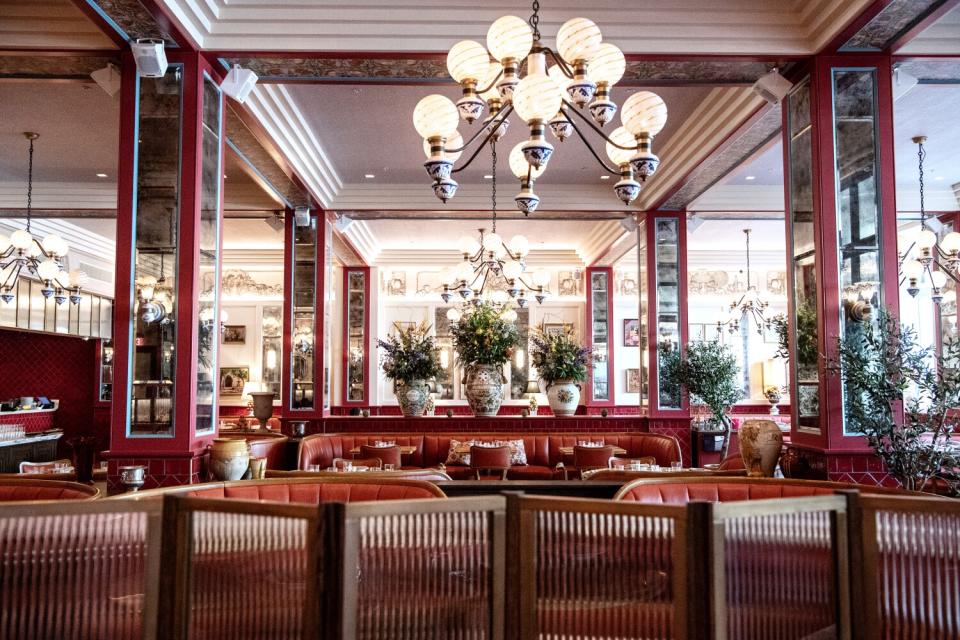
(300, 490)
(272, 446)
(684, 490)
(542, 451)
(31, 489)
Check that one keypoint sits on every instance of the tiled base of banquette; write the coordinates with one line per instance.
(859, 467)
(162, 471)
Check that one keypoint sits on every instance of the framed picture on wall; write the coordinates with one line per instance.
(234, 334)
(232, 380)
(633, 380)
(631, 332)
(556, 329)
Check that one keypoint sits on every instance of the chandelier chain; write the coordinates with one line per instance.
(921, 155)
(493, 191)
(747, 232)
(534, 21)
(29, 185)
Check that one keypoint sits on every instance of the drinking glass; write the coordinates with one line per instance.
(676, 465)
(389, 466)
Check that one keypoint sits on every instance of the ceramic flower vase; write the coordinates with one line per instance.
(760, 444)
(412, 397)
(484, 388)
(564, 396)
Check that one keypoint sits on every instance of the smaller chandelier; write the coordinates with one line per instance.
(156, 298)
(924, 251)
(42, 259)
(488, 260)
(749, 307)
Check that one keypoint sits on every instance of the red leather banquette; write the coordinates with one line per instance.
(301, 490)
(542, 451)
(684, 490)
(29, 489)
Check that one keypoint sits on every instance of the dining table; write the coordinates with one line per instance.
(405, 449)
(617, 451)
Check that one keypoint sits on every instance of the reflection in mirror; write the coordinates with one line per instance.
(304, 315)
(355, 314)
(155, 255)
(600, 334)
(667, 239)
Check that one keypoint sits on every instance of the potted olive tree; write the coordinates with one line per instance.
(411, 358)
(484, 341)
(562, 363)
(884, 369)
(709, 372)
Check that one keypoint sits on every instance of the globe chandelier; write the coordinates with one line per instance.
(581, 76)
(42, 259)
(924, 251)
(749, 307)
(488, 259)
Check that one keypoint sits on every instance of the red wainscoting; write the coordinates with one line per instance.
(59, 367)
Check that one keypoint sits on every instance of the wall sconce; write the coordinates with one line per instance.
(271, 363)
(859, 300)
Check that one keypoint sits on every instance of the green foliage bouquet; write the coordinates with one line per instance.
(410, 354)
(483, 336)
(559, 356)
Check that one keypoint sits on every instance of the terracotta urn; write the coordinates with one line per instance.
(564, 396)
(412, 397)
(229, 458)
(484, 389)
(760, 444)
(262, 406)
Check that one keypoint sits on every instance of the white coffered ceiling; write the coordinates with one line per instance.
(640, 26)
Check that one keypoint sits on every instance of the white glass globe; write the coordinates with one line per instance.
(520, 245)
(938, 278)
(578, 39)
(55, 245)
(453, 315)
(607, 65)
(624, 138)
(559, 77)
(541, 278)
(468, 60)
(453, 142)
(21, 239)
(499, 296)
(509, 315)
(78, 278)
(950, 242)
(537, 97)
(493, 242)
(490, 80)
(512, 270)
(48, 269)
(913, 269)
(468, 244)
(644, 112)
(4, 242)
(926, 239)
(436, 115)
(465, 271)
(519, 165)
(509, 37)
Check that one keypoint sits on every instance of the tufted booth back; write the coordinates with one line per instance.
(317, 492)
(27, 489)
(431, 449)
(684, 490)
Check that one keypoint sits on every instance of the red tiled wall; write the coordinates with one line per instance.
(58, 367)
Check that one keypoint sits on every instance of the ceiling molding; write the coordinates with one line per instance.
(134, 20)
(477, 214)
(712, 123)
(360, 236)
(753, 136)
(446, 258)
(59, 195)
(51, 24)
(27, 65)
(599, 240)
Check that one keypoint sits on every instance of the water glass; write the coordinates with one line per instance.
(676, 465)
(313, 467)
(389, 466)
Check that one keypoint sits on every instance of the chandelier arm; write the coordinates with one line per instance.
(12, 276)
(943, 269)
(592, 152)
(567, 71)
(596, 129)
(506, 111)
(491, 85)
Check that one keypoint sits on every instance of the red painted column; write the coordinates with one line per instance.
(172, 455)
(826, 448)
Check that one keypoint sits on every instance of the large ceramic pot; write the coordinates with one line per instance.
(229, 458)
(484, 387)
(564, 396)
(760, 444)
(412, 396)
(262, 406)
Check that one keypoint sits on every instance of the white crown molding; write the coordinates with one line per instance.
(363, 241)
(442, 258)
(737, 197)
(60, 195)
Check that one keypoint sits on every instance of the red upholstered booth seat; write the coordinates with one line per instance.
(33, 489)
(543, 451)
(684, 490)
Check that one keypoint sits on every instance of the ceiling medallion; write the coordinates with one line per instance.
(581, 77)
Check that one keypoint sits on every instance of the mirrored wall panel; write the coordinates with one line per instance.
(600, 316)
(355, 334)
(667, 278)
(155, 255)
(303, 310)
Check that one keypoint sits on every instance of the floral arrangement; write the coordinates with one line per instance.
(533, 404)
(559, 356)
(410, 354)
(431, 406)
(772, 393)
(483, 336)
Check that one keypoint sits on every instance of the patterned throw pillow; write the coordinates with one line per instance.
(518, 455)
(459, 453)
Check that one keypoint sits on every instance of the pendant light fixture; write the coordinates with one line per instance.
(749, 307)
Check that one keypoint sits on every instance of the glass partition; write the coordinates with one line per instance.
(667, 265)
(155, 255)
(209, 240)
(644, 295)
(271, 323)
(599, 281)
(805, 389)
(355, 318)
(328, 302)
(304, 287)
